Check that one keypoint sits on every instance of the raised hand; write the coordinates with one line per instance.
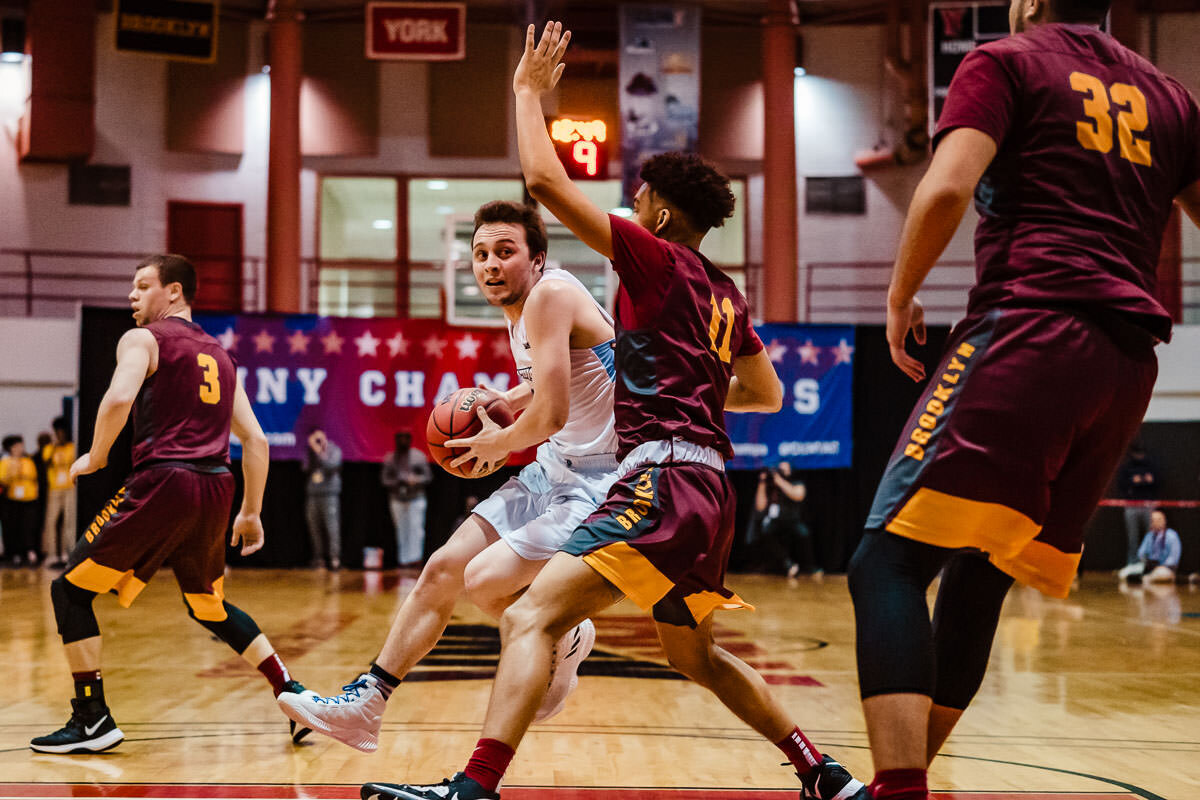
(541, 66)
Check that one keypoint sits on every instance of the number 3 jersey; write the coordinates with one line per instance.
(184, 410)
(680, 323)
(1094, 143)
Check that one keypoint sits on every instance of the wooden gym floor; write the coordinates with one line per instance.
(1096, 697)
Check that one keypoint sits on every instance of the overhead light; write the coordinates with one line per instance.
(382, 224)
(444, 210)
(437, 186)
(800, 72)
(622, 211)
(12, 58)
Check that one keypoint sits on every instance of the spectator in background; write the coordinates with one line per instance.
(1137, 482)
(784, 541)
(323, 494)
(58, 455)
(43, 479)
(1158, 557)
(406, 473)
(18, 477)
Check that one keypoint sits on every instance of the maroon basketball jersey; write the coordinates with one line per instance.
(680, 323)
(184, 410)
(1094, 143)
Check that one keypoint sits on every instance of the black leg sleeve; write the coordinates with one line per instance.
(889, 576)
(964, 624)
(73, 611)
(237, 630)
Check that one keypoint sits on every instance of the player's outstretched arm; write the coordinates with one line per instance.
(754, 386)
(135, 353)
(256, 459)
(540, 68)
(936, 209)
(1189, 201)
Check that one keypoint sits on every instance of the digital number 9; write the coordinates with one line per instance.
(585, 153)
(210, 386)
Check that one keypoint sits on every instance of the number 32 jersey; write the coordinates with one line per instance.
(184, 410)
(680, 323)
(1094, 143)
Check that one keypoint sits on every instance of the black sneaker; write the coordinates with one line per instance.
(460, 787)
(298, 732)
(833, 782)
(90, 729)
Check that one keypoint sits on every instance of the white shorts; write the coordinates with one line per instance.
(539, 509)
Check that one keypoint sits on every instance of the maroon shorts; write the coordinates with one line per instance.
(163, 515)
(662, 537)
(1015, 439)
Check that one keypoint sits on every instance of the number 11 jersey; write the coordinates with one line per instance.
(1094, 143)
(183, 411)
(680, 323)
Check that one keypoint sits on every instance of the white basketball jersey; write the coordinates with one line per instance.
(589, 429)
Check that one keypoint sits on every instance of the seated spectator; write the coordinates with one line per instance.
(782, 541)
(1158, 557)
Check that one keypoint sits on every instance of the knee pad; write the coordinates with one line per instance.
(73, 612)
(237, 630)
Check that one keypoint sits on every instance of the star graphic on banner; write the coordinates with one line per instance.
(842, 353)
(434, 346)
(809, 354)
(228, 339)
(397, 345)
(776, 351)
(500, 348)
(367, 344)
(332, 343)
(298, 343)
(264, 342)
(468, 347)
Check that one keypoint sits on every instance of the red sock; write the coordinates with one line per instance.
(801, 752)
(488, 763)
(273, 669)
(900, 784)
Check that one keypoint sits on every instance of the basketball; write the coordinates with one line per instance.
(456, 418)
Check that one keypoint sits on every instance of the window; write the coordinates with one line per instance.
(358, 250)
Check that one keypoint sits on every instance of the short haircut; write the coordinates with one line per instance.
(508, 212)
(1080, 10)
(10, 440)
(692, 185)
(173, 269)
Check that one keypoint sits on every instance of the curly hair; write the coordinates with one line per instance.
(693, 186)
(505, 211)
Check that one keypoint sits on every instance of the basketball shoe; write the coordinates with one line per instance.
(353, 717)
(91, 729)
(569, 653)
(298, 732)
(460, 787)
(833, 782)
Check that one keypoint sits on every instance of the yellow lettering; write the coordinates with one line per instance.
(935, 407)
(633, 515)
(927, 421)
(921, 436)
(642, 505)
(948, 378)
(626, 524)
(914, 451)
(956, 365)
(965, 350)
(943, 392)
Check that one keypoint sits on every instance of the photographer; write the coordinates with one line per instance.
(784, 542)
(323, 492)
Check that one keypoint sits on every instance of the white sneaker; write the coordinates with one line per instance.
(569, 653)
(353, 717)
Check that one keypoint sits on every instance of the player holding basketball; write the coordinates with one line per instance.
(685, 352)
(1047, 378)
(185, 396)
(561, 340)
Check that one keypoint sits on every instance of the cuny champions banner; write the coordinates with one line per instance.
(359, 380)
(814, 429)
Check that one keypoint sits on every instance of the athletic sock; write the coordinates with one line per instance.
(900, 784)
(801, 752)
(273, 670)
(89, 686)
(488, 763)
(387, 681)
